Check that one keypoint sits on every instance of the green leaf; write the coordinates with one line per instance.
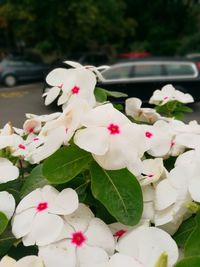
(65, 164)
(184, 231)
(6, 241)
(100, 95)
(33, 181)
(192, 245)
(3, 222)
(189, 262)
(114, 93)
(119, 191)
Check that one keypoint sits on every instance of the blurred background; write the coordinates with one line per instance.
(99, 30)
(37, 35)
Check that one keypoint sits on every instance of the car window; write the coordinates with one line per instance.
(144, 70)
(118, 72)
(179, 69)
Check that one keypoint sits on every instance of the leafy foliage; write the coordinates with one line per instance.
(119, 191)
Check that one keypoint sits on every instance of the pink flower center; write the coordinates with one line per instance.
(166, 97)
(113, 128)
(36, 139)
(120, 233)
(42, 206)
(148, 134)
(30, 130)
(75, 90)
(22, 146)
(78, 238)
(150, 175)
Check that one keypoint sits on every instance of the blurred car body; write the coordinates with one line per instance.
(14, 69)
(139, 78)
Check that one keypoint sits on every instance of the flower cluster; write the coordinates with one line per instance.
(91, 186)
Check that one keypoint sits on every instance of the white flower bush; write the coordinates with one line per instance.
(92, 187)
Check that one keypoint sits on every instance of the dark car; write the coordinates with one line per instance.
(14, 69)
(140, 78)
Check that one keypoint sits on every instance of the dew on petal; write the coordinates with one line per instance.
(148, 134)
(42, 206)
(113, 128)
(78, 238)
(75, 90)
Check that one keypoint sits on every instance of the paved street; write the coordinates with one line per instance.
(16, 101)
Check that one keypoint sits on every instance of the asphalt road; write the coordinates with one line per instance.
(16, 101)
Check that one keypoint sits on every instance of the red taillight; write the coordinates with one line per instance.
(198, 65)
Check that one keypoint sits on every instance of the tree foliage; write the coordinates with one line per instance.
(161, 27)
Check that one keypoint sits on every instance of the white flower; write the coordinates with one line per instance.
(171, 198)
(169, 93)
(114, 141)
(58, 131)
(146, 244)
(152, 170)
(28, 261)
(37, 218)
(32, 126)
(160, 137)
(85, 241)
(7, 204)
(71, 84)
(8, 172)
(133, 109)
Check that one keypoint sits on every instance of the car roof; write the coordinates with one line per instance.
(155, 59)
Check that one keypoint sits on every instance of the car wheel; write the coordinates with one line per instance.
(10, 80)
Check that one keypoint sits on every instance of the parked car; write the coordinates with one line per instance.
(14, 69)
(139, 78)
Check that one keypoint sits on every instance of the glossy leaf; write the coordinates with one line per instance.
(192, 245)
(119, 191)
(65, 164)
(6, 241)
(3, 222)
(100, 95)
(33, 181)
(189, 262)
(184, 231)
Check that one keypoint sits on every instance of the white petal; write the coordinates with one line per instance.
(52, 95)
(165, 195)
(94, 140)
(80, 218)
(7, 204)
(30, 261)
(46, 228)
(121, 260)
(29, 201)
(56, 76)
(73, 64)
(22, 223)
(98, 234)
(147, 243)
(55, 256)
(53, 142)
(8, 173)
(91, 255)
(7, 261)
(194, 189)
(65, 203)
